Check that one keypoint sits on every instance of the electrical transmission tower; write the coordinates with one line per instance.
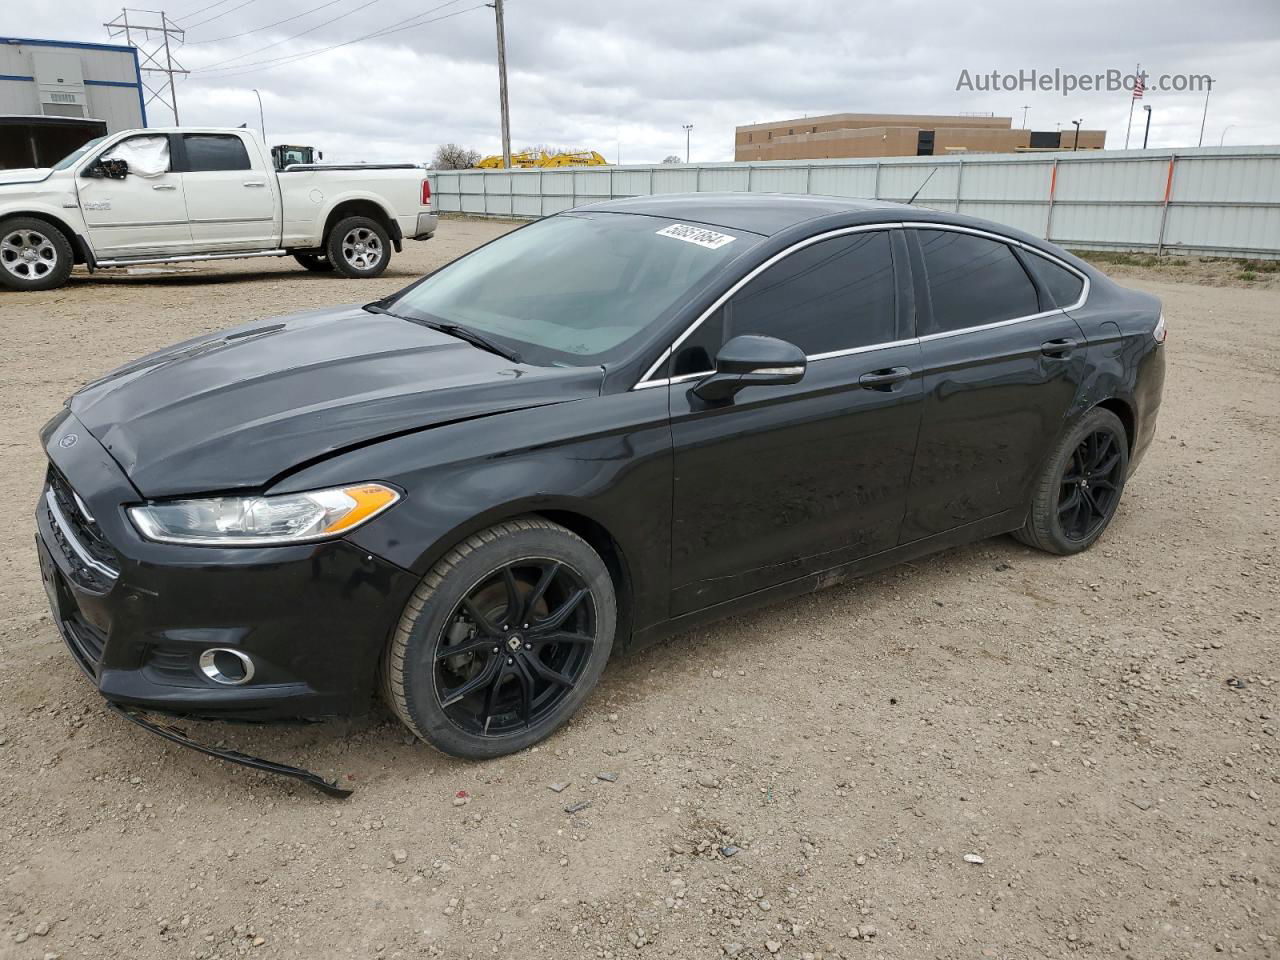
(151, 32)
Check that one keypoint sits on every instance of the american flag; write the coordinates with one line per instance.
(1139, 86)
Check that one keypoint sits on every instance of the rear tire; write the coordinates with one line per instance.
(315, 262)
(502, 641)
(34, 254)
(1078, 493)
(359, 248)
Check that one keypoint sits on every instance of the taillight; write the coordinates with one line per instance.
(1160, 332)
(426, 193)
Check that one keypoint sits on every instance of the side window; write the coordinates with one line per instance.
(973, 281)
(147, 156)
(1063, 286)
(833, 295)
(215, 151)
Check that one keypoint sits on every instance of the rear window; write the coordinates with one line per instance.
(974, 281)
(215, 151)
(1062, 286)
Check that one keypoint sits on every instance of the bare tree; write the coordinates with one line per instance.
(672, 159)
(450, 156)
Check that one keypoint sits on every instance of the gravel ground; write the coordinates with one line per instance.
(989, 753)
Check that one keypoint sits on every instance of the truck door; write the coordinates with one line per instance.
(144, 213)
(231, 203)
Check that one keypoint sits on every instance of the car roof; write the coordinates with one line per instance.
(762, 213)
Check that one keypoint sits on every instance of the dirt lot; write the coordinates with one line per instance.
(803, 782)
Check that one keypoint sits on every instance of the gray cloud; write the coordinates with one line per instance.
(632, 72)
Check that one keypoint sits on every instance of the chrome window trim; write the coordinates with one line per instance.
(85, 557)
(645, 382)
(720, 301)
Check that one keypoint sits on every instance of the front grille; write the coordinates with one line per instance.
(93, 563)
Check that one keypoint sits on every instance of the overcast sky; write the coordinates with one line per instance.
(624, 75)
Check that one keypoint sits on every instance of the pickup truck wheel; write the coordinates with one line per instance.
(34, 255)
(358, 248)
(314, 262)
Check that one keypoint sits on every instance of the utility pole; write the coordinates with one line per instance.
(502, 83)
(1147, 132)
(1025, 108)
(262, 118)
(150, 32)
(1076, 145)
(688, 128)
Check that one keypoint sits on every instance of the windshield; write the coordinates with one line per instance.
(75, 155)
(574, 288)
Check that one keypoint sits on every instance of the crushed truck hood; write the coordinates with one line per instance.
(239, 409)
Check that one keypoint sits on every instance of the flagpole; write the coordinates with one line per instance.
(1136, 73)
(1204, 116)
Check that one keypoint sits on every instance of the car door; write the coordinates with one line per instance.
(786, 480)
(143, 213)
(1002, 366)
(231, 205)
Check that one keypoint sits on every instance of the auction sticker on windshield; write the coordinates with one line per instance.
(699, 235)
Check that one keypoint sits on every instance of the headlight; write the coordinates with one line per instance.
(263, 521)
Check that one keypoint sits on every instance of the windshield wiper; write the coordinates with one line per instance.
(472, 337)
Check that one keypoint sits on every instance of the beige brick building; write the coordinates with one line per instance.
(898, 135)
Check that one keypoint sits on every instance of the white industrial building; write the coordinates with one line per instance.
(55, 78)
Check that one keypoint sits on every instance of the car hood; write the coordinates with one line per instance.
(25, 175)
(239, 409)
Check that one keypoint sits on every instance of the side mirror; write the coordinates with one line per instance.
(114, 169)
(751, 362)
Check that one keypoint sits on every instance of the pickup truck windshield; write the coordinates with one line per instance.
(75, 155)
(574, 288)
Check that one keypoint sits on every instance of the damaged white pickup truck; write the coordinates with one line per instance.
(165, 195)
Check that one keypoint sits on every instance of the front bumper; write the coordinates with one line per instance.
(314, 617)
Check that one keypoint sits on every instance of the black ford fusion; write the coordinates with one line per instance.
(597, 430)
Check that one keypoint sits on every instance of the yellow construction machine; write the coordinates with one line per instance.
(528, 160)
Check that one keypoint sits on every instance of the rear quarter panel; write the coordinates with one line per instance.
(308, 197)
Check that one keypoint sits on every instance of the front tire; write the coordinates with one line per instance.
(358, 248)
(503, 640)
(34, 254)
(1078, 493)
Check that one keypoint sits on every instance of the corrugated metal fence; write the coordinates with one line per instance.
(1214, 201)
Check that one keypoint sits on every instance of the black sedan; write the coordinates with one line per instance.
(599, 429)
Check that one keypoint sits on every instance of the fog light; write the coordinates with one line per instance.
(226, 666)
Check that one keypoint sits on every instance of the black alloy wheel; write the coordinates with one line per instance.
(1090, 485)
(503, 640)
(1078, 490)
(514, 647)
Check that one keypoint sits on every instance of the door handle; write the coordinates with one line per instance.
(255, 183)
(164, 186)
(885, 379)
(1058, 349)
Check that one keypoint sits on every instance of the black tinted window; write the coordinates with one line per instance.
(1063, 286)
(832, 295)
(973, 280)
(215, 151)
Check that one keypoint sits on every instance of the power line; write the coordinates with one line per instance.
(277, 43)
(235, 36)
(192, 13)
(217, 15)
(244, 68)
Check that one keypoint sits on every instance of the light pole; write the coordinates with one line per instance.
(262, 120)
(1224, 133)
(1076, 144)
(1147, 132)
(1025, 108)
(688, 127)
